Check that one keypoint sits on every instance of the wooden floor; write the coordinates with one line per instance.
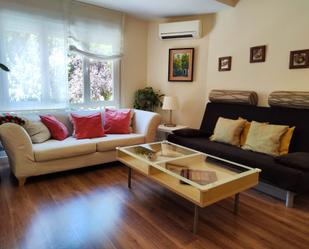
(93, 208)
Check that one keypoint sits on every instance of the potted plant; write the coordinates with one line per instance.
(4, 67)
(147, 99)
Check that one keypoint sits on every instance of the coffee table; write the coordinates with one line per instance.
(200, 178)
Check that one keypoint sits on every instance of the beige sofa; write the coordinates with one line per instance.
(27, 159)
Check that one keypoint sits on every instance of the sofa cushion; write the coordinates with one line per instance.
(117, 121)
(189, 132)
(70, 147)
(297, 160)
(57, 129)
(87, 126)
(228, 131)
(37, 131)
(265, 138)
(111, 141)
(272, 172)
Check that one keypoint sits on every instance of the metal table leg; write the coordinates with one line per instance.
(195, 221)
(236, 204)
(129, 177)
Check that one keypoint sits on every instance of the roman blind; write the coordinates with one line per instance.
(94, 31)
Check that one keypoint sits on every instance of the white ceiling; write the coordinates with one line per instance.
(161, 8)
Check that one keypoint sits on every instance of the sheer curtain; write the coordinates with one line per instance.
(33, 45)
(35, 39)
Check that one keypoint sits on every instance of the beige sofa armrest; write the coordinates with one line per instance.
(146, 123)
(18, 147)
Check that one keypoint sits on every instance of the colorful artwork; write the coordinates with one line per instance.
(181, 64)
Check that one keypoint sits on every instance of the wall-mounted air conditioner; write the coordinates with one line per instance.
(177, 30)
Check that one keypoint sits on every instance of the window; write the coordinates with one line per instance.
(92, 82)
(34, 50)
(60, 55)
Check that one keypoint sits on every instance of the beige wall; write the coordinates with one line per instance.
(282, 25)
(191, 95)
(133, 66)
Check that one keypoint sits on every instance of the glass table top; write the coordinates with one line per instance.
(187, 165)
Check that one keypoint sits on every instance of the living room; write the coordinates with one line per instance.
(73, 81)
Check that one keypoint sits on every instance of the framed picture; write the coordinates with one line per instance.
(299, 59)
(180, 66)
(258, 54)
(225, 63)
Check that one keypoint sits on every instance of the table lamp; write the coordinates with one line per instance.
(170, 103)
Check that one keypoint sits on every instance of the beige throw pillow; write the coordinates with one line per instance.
(228, 131)
(265, 138)
(37, 131)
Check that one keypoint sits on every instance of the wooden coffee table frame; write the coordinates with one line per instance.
(200, 196)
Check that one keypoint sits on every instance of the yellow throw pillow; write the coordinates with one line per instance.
(265, 138)
(285, 141)
(228, 131)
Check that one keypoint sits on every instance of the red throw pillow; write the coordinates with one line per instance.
(88, 126)
(117, 121)
(57, 129)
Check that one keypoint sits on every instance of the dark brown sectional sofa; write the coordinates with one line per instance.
(291, 180)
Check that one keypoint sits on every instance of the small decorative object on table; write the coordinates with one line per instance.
(170, 103)
(202, 177)
(147, 151)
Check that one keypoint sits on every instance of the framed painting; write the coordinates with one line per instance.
(225, 63)
(299, 59)
(180, 66)
(258, 54)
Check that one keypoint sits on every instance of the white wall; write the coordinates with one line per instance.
(133, 66)
(282, 25)
(191, 95)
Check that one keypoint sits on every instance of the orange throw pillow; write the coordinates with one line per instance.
(244, 134)
(285, 141)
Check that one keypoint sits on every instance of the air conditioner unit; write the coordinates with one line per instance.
(176, 30)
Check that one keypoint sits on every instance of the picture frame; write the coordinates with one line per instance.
(181, 64)
(258, 54)
(225, 63)
(299, 59)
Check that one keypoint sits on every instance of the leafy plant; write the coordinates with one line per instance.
(4, 68)
(147, 99)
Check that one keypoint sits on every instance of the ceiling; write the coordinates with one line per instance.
(164, 8)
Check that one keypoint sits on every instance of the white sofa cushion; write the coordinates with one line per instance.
(111, 141)
(70, 147)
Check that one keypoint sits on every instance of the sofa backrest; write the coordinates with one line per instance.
(62, 116)
(274, 115)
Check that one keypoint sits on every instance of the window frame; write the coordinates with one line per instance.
(87, 102)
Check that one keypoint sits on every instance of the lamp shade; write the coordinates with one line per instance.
(170, 103)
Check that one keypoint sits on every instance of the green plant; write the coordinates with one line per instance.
(147, 99)
(4, 67)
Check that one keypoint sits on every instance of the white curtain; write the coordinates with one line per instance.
(33, 45)
(94, 31)
(35, 37)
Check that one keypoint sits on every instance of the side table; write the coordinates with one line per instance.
(165, 130)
